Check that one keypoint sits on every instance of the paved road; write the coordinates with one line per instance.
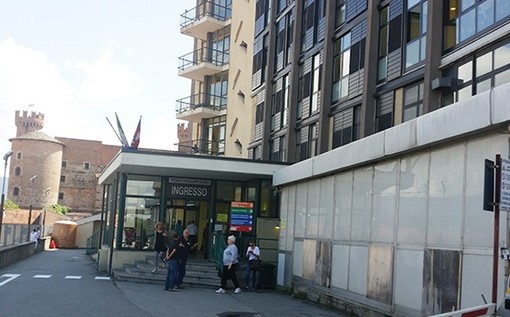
(66, 283)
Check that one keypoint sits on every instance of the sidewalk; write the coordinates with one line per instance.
(137, 299)
(197, 302)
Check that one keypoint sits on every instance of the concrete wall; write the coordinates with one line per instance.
(14, 253)
(393, 223)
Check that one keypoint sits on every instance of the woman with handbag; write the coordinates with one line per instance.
(253, 255)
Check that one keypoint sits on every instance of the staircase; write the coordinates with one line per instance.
(199, 273)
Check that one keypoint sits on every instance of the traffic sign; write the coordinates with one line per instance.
(241, 216)
(504, 201)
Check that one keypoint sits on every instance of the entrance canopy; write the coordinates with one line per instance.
(165, 163)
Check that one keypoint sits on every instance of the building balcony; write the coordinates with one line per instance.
(203, 62)
(201, 106)
(204, 18)
(202, 147)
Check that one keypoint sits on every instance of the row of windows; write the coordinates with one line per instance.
(86, 166)
(16, 191)
(402, 47)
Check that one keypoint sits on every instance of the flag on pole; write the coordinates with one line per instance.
(122, 135)
(136, 136)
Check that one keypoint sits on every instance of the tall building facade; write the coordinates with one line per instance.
(388, 110)
(46, 170)
(219, 108)
(327, 73)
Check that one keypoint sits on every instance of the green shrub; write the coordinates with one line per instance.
(9, 204)
(60, 209)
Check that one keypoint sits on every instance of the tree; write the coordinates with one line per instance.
(10, 205)
(60, 209)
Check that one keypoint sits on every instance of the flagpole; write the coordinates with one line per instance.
(118, 137)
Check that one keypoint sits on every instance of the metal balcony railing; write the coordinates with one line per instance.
(203, 100)
(218, 11)
(203, 55)
(202, 146)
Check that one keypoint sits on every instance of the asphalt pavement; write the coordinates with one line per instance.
(66, 283)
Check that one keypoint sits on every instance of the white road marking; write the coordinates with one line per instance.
(41, 276)
(105, 278)
(72, 277)
(10, 278)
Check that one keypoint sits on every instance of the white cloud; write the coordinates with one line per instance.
(27, 76)
(106, 80)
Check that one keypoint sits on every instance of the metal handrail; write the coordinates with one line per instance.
(218, 246)
(203, 146)
(206, 9)
(201, 100)
(92, 243)
(204, 55)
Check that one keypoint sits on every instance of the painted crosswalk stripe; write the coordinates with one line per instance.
(72, 277)
(41, 276)
(10, 278)
(106, 278)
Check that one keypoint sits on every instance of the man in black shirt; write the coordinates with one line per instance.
(185, 246)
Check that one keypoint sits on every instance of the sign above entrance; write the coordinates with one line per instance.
(241, 216)
(188, 188)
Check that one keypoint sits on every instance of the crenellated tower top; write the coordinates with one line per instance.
(28, 122)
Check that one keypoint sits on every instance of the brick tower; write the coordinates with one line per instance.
(26, 123)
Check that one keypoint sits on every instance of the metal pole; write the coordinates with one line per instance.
(6, 157)
(495, 258)
(32, 180)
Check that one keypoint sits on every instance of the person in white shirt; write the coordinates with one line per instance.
(253, 255)
(34, 236)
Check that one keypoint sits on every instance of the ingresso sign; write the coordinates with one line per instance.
(188, 188)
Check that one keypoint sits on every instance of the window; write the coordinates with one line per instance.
(413, 102)
(467, 18)
(18, 155)
(60, 196)
(283, 52)
(86, 165)
(64, 164)
(316, 83)
(62, 178)
(384, 112)
(262, 13)
(479, 73)
(278, 149)
(346, 125)
(17, 171)
(313, 27)
(220, 49)
(416, 32)
(306, 142)
(382, 71)
(280, 103)
(340, 13)
(218, 90)
(259, 61)
(15, 191)
(341, 67)
(215, 129)
(259, 115)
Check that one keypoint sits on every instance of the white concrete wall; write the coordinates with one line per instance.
(413, 188)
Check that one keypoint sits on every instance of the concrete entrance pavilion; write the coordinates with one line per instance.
(142, 187)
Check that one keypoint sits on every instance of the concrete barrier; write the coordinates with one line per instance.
(13, 253)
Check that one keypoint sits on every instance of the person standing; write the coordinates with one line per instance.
(179, 228)
(185, 246)
(193, 231)
(172, 261)
(160, 247)
(253, 255)
(34, 236)
(230, 265)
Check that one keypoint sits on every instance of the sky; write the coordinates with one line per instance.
(80, 61)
